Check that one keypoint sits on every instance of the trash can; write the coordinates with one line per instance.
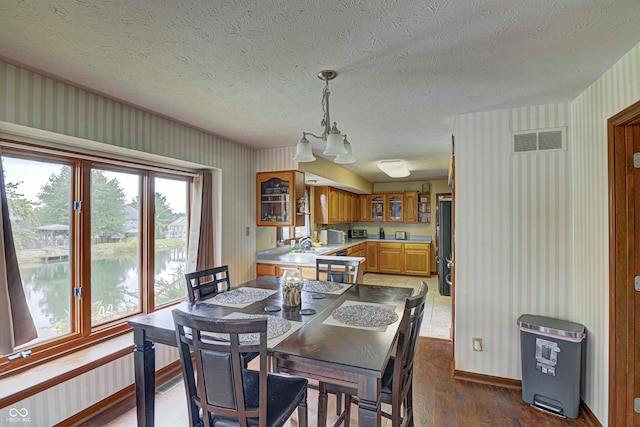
(551, 364)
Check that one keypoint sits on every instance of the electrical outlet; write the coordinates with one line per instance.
(476, 343)
(247, 231)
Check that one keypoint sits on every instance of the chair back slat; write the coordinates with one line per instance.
(205, 283)
(337, 269)
(217, 382)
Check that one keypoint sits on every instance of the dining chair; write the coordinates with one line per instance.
(337, 269)
(220, 391)
(204, 283)
(397, 380)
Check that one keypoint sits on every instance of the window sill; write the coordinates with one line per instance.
(46, 375)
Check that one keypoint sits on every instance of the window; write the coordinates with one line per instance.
(125, 257)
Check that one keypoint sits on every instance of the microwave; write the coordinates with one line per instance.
(357, 234)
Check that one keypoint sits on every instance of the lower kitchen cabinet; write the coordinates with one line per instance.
(417, 259)
(278, 269)
(390, 259)
(372, 257)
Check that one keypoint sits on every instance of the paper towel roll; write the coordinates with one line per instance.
(323, 237)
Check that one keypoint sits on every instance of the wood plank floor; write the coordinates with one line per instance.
(440, 400)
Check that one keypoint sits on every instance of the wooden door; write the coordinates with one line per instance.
(624, 261)
(410, 206)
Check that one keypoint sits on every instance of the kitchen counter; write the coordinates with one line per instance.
(283, 255)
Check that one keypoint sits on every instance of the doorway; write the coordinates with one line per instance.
(624, 266)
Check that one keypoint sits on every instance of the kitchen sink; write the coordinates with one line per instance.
(311, 250)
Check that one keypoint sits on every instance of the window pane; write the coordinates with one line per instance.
(115, 246)
(39, 199)
(170, 231)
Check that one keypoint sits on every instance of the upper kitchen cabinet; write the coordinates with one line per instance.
(333, 206)
(395, 207)
(364, 208)
(411, 206)
(424, 207)
(377, 207)
(278, 198)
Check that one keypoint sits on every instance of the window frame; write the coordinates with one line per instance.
(82, 334)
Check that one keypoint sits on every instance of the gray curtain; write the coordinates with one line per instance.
(16, 324)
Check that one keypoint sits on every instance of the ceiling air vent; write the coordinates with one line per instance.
(539, 140)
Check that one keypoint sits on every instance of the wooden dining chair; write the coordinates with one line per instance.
(397, 380)
(337, 269)
(220, 391)
(205, 283)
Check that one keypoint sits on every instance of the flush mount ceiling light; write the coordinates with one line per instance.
(337, 144)
(394, 168)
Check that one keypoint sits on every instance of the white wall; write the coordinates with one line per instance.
(513, 251)
(616, 90)
(532, 231)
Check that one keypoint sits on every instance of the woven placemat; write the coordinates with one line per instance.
(276, 326)
(240, 296)
(365, 315)
(320, 286)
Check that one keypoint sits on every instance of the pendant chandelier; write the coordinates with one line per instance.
(337, 144)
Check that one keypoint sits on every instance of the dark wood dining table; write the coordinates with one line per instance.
(343, 355)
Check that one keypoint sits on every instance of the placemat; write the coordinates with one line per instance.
(277, 328)
(240, 297)
(324, 287)
(363, 315)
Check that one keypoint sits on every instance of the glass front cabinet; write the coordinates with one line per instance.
(394, 207)
(376, 202)
(280, 199)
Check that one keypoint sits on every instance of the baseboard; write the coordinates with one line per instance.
(589, 416)
(487, 379)
(119, 402)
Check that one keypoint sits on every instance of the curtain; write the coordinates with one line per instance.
(16, 324)
(201, 252)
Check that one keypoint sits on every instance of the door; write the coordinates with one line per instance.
(624, 260)
(444, 245)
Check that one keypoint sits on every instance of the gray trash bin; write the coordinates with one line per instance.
(551, 364)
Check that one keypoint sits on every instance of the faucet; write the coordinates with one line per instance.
(305, 243)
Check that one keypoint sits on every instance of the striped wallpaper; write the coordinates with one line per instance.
(532, 229)
(37, 103)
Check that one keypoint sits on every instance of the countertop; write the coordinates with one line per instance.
(283, 255)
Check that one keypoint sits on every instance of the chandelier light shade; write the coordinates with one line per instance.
(348, 156)
(303, 151)
(394, 168)
(337, 144)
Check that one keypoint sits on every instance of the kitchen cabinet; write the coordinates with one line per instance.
(417, 259)
(377, 207)
(395, 207)
(372, 256)
(278, 269)
(278, 195)
(390, 258)
(335, 206)
(365, 203)
(359, 251)
(411, 206)
(424, 207)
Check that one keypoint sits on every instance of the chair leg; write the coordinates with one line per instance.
(347, 410)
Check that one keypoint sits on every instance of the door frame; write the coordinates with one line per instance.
(621, 302)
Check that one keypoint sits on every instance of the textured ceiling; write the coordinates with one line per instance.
(246, 70)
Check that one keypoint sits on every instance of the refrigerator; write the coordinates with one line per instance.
(445, 244)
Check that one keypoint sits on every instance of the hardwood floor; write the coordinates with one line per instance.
(440, 400)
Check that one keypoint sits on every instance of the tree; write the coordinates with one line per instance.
(23, 217)
(55, 199)
(164, 215)
(107, 202)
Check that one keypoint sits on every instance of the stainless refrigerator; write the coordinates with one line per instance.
(445, 245)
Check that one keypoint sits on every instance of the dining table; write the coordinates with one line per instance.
(319, 345)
